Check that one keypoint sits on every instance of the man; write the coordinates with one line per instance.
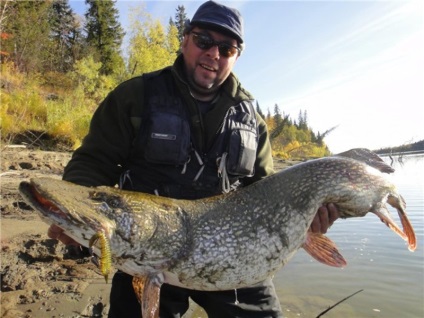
(187, 131)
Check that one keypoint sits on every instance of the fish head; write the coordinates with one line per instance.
(397, 202)
(54, 202)
(374, 196)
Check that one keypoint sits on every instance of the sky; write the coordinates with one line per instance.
(356, 65)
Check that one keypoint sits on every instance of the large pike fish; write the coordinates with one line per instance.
(223, 242)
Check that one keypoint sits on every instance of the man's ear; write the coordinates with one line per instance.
(184, 43)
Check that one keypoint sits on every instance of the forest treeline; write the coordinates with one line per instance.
(410, 147)
(57, 66)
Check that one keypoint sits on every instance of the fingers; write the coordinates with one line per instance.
(324, 218)
(54, 231)
(320, 222)
(57, 233)
(333, 213)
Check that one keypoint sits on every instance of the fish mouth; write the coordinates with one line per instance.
(40, 202)
(407, 233)
(52, 211)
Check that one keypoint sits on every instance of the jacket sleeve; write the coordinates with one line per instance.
(264, 164)
(105, 149)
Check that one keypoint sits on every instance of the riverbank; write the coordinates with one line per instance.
(40, 277)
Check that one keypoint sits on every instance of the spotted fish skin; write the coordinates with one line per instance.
(223, 242)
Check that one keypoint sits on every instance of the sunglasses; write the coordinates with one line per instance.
(205, 42)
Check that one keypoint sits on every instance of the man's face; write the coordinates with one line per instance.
(206, 69)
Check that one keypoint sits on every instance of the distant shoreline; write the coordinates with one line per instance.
(401, 153)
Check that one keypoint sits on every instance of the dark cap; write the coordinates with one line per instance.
(218, 17)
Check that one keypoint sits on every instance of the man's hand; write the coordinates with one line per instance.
(56, 233)
(324, 218)
(74, 249)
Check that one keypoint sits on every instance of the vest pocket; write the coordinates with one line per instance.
(168, 139)
(242, 152)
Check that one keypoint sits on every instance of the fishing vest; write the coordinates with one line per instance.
(164, 160)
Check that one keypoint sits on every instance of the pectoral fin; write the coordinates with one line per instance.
(323, 250)
(147, 290)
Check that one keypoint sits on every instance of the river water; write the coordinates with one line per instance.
(390, 276)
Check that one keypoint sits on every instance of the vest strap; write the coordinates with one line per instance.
(222, 173)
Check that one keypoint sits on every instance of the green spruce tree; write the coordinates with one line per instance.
(259, 110)
(180, 19)
(63, 29)
(104, 34)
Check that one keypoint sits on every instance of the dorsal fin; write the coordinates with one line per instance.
(367, 156)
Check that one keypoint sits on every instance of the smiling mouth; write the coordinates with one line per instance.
(208, 68)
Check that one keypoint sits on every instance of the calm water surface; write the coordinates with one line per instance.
(392, 278)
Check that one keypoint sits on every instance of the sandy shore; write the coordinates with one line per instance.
(39, 276)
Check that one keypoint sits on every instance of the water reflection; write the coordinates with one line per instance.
(378, 262)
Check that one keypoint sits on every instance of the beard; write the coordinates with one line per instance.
(203, 87)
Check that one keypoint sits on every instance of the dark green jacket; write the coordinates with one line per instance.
(108, 145)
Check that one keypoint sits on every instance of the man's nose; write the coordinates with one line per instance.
(213, 52)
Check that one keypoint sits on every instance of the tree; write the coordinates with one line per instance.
(4, 13)
(5, 36)
(172, 43)
(28, 29)
(269, 120)
(180, 20)
(77, 39)
(151, 47)
(104, 34)
(41, 36)
(259, 111)
(63, 33)
(280, 123)
(320, 137)
(277, 115)
(268, 114)
(303, 120)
